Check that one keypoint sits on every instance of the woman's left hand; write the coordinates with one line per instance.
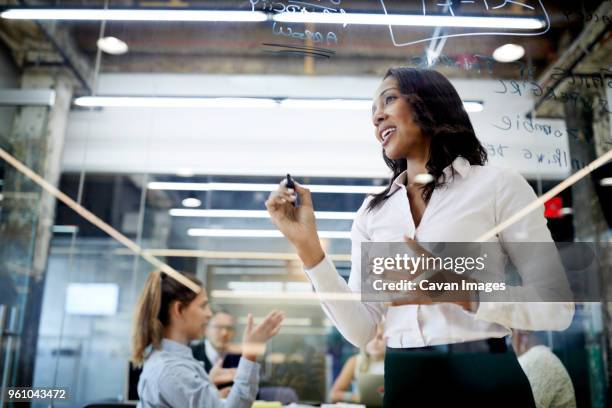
(220, 375)
(255, 338)
(224, 392)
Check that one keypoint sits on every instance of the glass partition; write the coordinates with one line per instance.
(168, 149)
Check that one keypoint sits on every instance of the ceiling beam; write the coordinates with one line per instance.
(581, 52)
(60, 38)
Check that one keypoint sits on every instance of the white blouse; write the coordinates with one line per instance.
(472, 202)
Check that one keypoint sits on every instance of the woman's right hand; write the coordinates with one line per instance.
(298, 225)
(254, 338)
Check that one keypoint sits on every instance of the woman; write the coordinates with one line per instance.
(440, 191)
(168, 317)
(368, 361)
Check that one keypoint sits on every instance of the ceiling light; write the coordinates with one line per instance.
(412, 20)
(525, 23)
(223, 102)
(133, 15)
(287, 321)
(185, 172)
(472, 106)
(256, 286)
(245, 233)
(298, 286)
(348, 104)
(185, 212)
(212, 102)
(291, 296)
(606, 182)
(314, 188)
(112, 45)
(423, 178)
(191, 202)
(65, 229)
(508, 53)
(173, 102)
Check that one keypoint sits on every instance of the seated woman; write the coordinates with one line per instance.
(169, 316)
(368, 361)
(550, 382)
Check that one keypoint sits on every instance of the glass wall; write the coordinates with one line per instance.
(167, 152)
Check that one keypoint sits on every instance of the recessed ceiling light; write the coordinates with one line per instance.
(508, 53)
(473, 106)
(185, 172)
(192, 202)
(112, 45)
(423, 178)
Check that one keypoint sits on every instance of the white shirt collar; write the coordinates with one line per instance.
(211, 353)
(461, 166)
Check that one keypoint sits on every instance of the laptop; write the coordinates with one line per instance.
(130, 391)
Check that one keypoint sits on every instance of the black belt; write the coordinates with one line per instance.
(490, 345)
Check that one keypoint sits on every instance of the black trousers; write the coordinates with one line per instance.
(483, 373)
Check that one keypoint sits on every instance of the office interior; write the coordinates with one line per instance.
(128, 142)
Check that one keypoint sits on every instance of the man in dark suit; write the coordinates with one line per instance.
(214, 350)
(221, 364)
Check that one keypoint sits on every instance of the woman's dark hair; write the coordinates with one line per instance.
(438, 111)
(152, 310)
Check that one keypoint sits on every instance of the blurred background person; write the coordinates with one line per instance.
(213, 350)
(551, 384)
(371, 360)
(169, 315)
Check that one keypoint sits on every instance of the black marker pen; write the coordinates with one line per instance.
(291, 184)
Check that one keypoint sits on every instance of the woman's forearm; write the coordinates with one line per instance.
(355, 320)
(310, 254)
(343, 396)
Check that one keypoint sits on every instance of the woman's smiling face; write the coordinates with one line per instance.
(394, 126)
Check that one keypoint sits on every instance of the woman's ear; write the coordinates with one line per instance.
(174, 311)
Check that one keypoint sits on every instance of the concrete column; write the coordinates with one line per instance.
(590, 225)
(36, 139)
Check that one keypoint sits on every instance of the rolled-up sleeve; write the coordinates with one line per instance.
(541, 272)
(180, 386)
(356, 320)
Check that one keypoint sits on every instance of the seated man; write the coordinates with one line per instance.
(220, 363)
(214, 350)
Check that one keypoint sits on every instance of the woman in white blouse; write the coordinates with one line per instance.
(424, 130)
